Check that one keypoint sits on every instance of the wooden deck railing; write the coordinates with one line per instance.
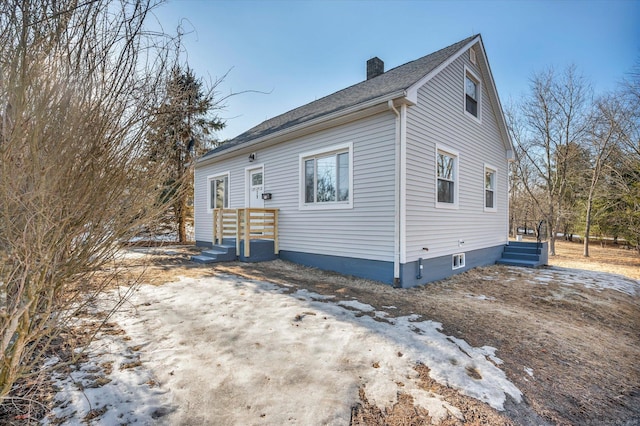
(246, 224)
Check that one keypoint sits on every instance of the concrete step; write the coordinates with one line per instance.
(520, 256)
(203, 259)
(521, 250)
(217, 253)
(522, 263)
(523, 244)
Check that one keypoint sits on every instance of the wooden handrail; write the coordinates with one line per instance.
(246, 224)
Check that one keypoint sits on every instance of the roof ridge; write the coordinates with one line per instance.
(461, 42)
(396, 79)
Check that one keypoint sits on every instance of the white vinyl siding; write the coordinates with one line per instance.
(436, 121)
(366, 230)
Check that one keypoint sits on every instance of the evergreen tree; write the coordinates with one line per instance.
(181, 131)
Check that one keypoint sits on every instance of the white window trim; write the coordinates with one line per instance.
(461, 260)
(217, 176)
(469, 72)
(301, 175)
(456, 177)
(495, 188)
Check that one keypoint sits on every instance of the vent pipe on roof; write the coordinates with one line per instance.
(375, 67)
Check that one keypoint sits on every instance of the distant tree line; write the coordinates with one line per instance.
(577, 165)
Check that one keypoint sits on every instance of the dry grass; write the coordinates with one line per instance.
(582, 346)
(581, 343)
(609, 258)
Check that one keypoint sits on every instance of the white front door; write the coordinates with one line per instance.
(255, 188)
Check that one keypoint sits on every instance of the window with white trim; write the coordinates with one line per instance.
(490, 176)
(457, 261)
(472, 94)
(447, 178)
(326, 178)
(219, 192)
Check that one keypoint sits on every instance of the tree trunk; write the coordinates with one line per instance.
(587, 227)
(181, 220)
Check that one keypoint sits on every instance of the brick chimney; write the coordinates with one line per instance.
(375, 67)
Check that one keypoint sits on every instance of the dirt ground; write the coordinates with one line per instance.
(582, 345)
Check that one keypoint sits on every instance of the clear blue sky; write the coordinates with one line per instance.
(302, 50)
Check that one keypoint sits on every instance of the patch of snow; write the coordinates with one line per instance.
(130, 254)
(543, 279)
(309, 295)
(592, 280)
(50, 362)
(226, 350)
(357, 305)
(490, 351)
(128, 396)
(529, 371)
(580, 277)
(480, 297)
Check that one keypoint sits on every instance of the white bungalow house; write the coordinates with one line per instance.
(401, 178)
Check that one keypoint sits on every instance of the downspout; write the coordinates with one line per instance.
(396, 233)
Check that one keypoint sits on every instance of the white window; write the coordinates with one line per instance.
(326, 178)
(472, 94)
(447, 178)
(457, 261)
(218, 191)
(490, 175)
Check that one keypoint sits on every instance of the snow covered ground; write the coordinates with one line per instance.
(227, 350)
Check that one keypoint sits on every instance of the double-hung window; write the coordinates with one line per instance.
(218, 192)
(472, 94)
(326, 178)
(490, 188)
(447, 178)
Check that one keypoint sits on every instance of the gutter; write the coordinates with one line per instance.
(307, 125)
(396, 234)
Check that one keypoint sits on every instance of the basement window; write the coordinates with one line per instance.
(457, 261)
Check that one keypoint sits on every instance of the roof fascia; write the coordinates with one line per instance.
(502, 122)
(412, 92)
(324, 122)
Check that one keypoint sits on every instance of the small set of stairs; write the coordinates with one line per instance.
(260, 251)
(527, 254)
(217, 253)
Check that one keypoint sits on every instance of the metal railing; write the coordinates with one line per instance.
(244, 225)
(542, 233)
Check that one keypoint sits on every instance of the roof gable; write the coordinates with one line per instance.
(396, 80)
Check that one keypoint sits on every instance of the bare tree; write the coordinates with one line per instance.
(602, 140)
(78, 81)
(547, 127)
(628, 173)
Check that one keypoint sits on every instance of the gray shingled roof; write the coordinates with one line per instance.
(392, 81)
